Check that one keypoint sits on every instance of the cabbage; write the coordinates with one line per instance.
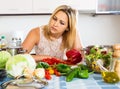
(4, 56)
(16, 64)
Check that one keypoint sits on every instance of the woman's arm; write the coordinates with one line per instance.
(77, 43)
(31, 40)
(40, 57)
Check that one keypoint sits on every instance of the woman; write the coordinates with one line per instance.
(53, 39)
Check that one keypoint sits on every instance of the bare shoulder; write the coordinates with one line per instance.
(35, 31)
(33, 36)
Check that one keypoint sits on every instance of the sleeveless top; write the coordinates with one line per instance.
(48, 47)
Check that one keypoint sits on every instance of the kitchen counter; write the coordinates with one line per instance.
(93, 82)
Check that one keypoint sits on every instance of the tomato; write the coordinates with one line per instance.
(47, 75)
(52, 61)
(56, 72)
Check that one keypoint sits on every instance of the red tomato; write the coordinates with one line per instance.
(47, 75)
(56, 72)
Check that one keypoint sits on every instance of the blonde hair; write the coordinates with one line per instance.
(69, 35)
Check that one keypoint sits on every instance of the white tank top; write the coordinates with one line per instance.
(48, 47)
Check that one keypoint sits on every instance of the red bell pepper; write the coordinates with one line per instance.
(73, 56)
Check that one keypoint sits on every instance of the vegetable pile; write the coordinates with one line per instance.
(60, 69)
(24, 65)
(63, 67)
(73, 57)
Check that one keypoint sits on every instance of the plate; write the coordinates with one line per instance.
(24, 84)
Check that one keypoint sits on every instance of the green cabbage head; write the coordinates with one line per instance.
(16, 64)
(4, 56)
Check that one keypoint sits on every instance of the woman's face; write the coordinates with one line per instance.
(59, 23)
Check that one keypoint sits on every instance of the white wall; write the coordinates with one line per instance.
(101, 29)
(19, 26)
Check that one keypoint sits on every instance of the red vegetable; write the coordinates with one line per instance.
(56, 72)
(73, 56)
(47, 75)
(52, 61)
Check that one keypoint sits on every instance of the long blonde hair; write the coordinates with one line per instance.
(69, 35)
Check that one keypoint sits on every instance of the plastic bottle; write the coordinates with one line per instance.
(15, 42)
(3, 42)
(19, 42)
(12, 43)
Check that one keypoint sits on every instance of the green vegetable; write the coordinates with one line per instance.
(83, 67)
(71, 75)
(42, 65)
(16, 64)
(83, 74)
(4, 56)
(63, 68)
(93, 50)
(83, 71)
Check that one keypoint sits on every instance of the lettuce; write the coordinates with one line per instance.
(4, 56)
(16, 64)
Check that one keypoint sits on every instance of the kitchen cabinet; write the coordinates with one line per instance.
(42, 6)
(108, 6)
(47, 6)
(83, 5)
(15, 6)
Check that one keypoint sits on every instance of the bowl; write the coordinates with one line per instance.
(93, 53)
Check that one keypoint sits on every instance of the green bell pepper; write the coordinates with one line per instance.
(42, 65)
(71, 75)
(83, 74)
(63, 68)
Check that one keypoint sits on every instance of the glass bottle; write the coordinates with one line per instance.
(3, 42)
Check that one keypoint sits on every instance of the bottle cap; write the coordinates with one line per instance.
(2, 37)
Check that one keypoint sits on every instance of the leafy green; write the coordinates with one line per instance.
(16, 64)
(4, 56)
(98, 53)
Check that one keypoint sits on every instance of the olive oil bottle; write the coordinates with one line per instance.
(110, 77)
